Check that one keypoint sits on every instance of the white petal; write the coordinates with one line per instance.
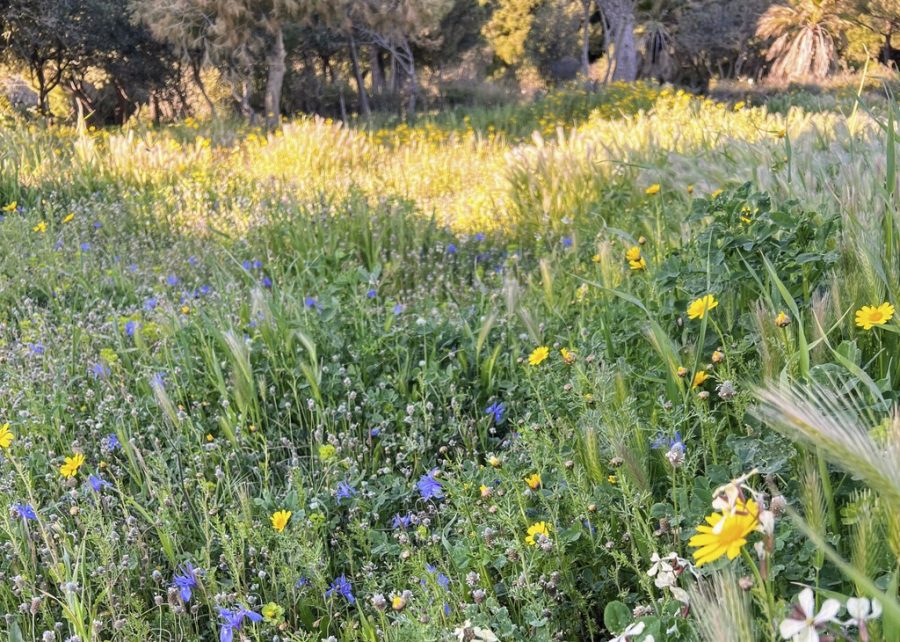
(791, 627)
(876, 609)
(830, 608)
(807, 602)
(858, 607)
(635, 629)
(809, 634)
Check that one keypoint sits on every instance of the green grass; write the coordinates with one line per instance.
(318, 322)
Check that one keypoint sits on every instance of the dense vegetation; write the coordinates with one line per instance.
(112, 60)
(454, 380)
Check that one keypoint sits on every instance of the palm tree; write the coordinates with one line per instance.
(803, 36)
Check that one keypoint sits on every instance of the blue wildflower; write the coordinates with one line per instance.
(172, 280)
(247, 265)
(497, 409)
(302, 582)
(399, 308)
(375, 432)
(132, 267)
(442, 580)
(150, 303)
(344, 491)
(110, 442)
(429, 487)
(401, 521)
(36, 348)
(451, 248)
(192, 261)
(372, 293)
(158, 380)
(130, 327)
(479, 237)
(186, 581)
(234, 618)
(97, 225)
(567, 241)
(99, 371)
(98, 483)
(311, 302)
(267, 283)
(341, 586)
(25, 511)
(85, 247)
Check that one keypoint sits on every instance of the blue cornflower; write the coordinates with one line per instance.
(497, 409)
(344, 491)
(267, 283)
(257, 264)
(192, 261)
(567, 241)
(99, 371)
(36, 348)
(110, 442)
(132, 267)
(25, 511)
(372, 293)
(401, 521)
(172, 280)
(302, 582)
(130, 327)
(98, 483)
(675, 444)
(97, 225)
(479, 237)
(158, 380)
(246, 265)
(311, 302)
(85, 247)
(234, 618)
(429, 487)
(399, 308)
(150, 303)
(342, 586)
(374, 432)
(451, 248)
(442, 580)
(186, 581)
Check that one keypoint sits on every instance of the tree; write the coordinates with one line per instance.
(619, 16)
(881, 17)
(803, 37)
(508, 28)
(48, 36)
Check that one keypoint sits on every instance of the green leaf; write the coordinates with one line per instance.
(616, 616)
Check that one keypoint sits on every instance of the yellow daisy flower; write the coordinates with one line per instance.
(533, 481)
(535, 530)
(71, 465)
(633, 253)
(653, 189)
(699, 307)
(40, 228)
(6, 436)
(867, 317)
(538, 355)
(280, 519)
(699, 378)
(725, 533)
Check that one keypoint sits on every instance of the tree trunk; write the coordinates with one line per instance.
(586, 38)
(377, 70)
(887, 49)
(620, 15)
(198, 80)
(274, 81)
(360, 82)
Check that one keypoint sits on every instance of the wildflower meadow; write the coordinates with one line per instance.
(618, 365)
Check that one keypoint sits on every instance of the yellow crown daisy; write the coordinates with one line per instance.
(538, 355)
(867, 317)
(71, 465)
(6, 436)
(280, 519)
(699, 307)
(539, 529)
(725, 533)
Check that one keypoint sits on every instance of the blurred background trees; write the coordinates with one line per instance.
(109, 60)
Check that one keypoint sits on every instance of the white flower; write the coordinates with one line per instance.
(631, 631)
(474, 633)
(804, 623)
(666, 570)
(861, 610)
